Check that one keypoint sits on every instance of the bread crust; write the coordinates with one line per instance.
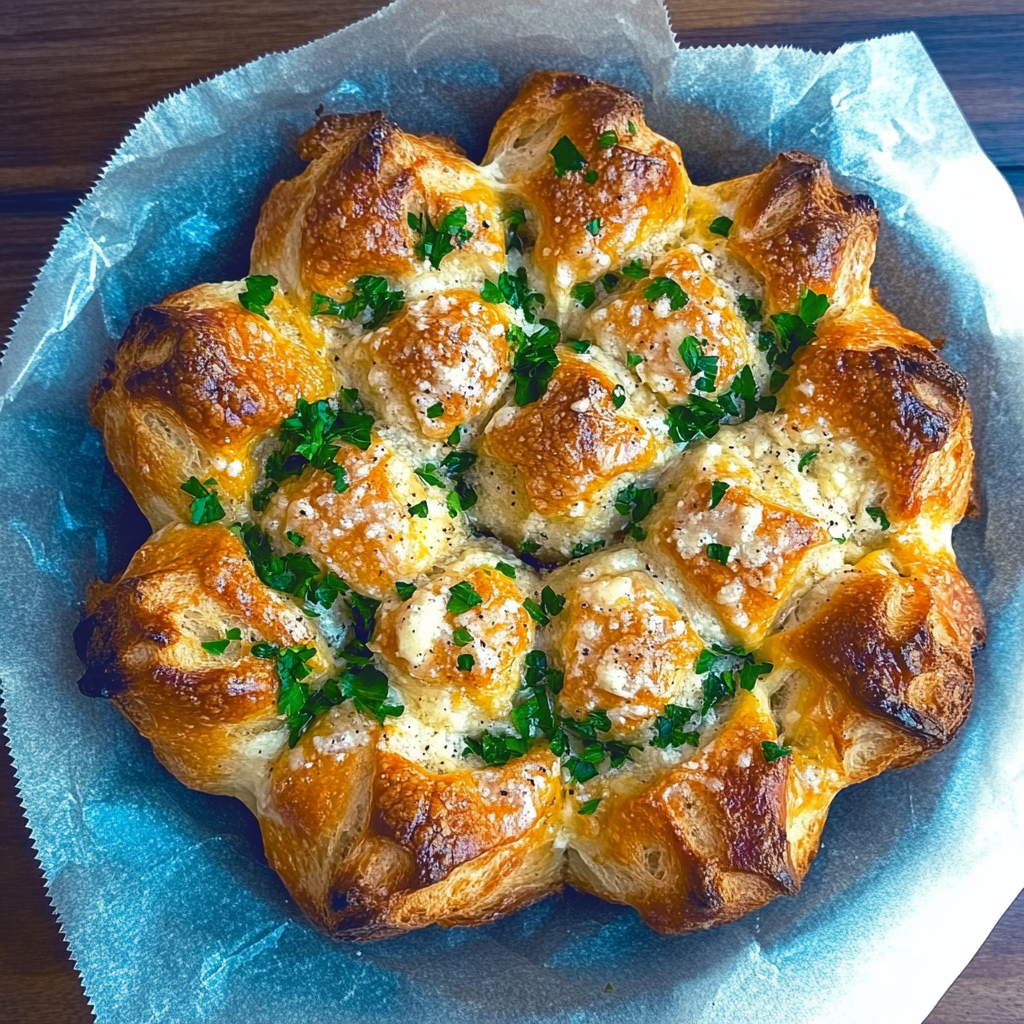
(602, 584)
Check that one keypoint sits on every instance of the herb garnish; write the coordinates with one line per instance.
(750, 308)
(635, 269)
(666, 287)
(506, 570)
(594, 226)
(590, 806)
(633, 360)
(513, 221)
(718, 489)
(719, 553)
(370, 294)
(405, 590)
(584, 293)
(567, 157)
(584, 548)
(791, 331)
(876, 513)
(773, 751)
(220, 646)
(636, 503)
(670, 728)
(514, 290)
(465, 662)
(206, 507)
(720, 226)
(462, 597)
(535, 360)
(590, 177)
(461, 636)
(618, 396)
(806, 459)
(258, 294)
(436, 242)
(608, 139)
(720, 682)
(419, 510)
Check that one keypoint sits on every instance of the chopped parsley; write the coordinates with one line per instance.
(584, 293)
(790, 331)
(535, 361)
(436, 242)
(750, 308)
(703, 416)
(405, 590)
(720, 226)
(876, 513)
(462, 597)
(296, 538)
(632, 127)
(718, 489)
(636, 503)
(513, 290)
(633, 359)
(506, 570)
(608, 139)
(666, 287)
(589, 806)
(308, 438)
(703, 369)
(258, 294)
(579, 346)
(457, 463)
(428, 474)
(465, 662)
(295, 573)
(455, 436)
(370, 296)
(529, 547)
(806, 459)
(773, 751)
(583, 548)
(206, 507)
(419, 510)
(494, 748)
(435, 411)
(461, 636)
(725, 668)
(635, 269)
(535, 612)
(460, 498)
(618, 396)
(591, 177)
(670, 728)
(513, 221)
(594, 226)
(218, 647)
(719, 553)
(567, 157)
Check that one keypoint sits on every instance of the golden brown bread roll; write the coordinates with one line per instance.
(196, 383)
(488, 602)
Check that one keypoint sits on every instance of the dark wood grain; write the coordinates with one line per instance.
(75, 77)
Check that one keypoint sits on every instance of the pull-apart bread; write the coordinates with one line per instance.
(549, 521)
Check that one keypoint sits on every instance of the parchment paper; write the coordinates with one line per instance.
(169, 908)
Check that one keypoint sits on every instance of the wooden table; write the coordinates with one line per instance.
(76, 76)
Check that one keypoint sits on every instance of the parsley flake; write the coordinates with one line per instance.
(465, 662)
(506, 570)
(583, 548)
(258, 294)
(633, 359)
(437, 242)
(206, 507)
(513, 290)
(618, 396)
(462, 597)
(590, 177)
(594, 226)
(419, 510)
(636, 503)
(718, 489)
(773, 751)
(720, 226)
(535, 362)
(806, 459)
(461, 636)
(579, 346)
(665, 286)
(435, 411)
(719, 553)
(670, 728)
(590, 806)
(513, 221)
(632, 127)
(296, 538)
(215, 646)
(455, 436)
(876, 513)
(635, 269)
(567, 157)
(428, 474)
(494, 748)
(405, 590)
(370, 295)
(584, 293)
(608, 139)
(751, 310)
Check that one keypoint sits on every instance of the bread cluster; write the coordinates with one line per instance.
(548, 521)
